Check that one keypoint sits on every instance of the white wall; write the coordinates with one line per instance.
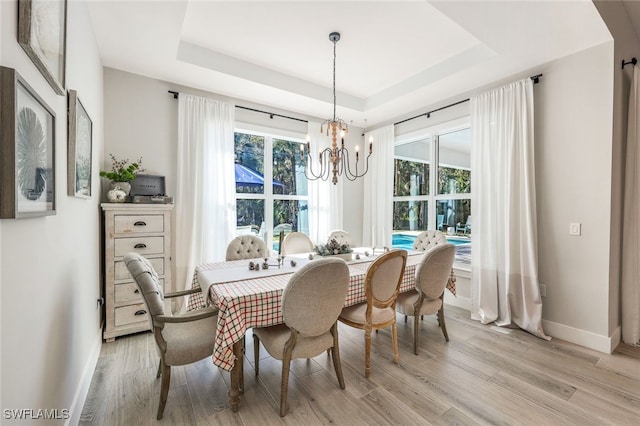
(573, 177)
(49, 266)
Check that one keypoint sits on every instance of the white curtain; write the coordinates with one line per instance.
(205, 199)
(377, 225)
(325, 198)
(631, 217)
(504, 251)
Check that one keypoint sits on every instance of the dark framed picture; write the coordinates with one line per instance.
(79, 148)
(42, 33)
(27, 150)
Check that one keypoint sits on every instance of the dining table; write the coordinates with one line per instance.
(248, 293)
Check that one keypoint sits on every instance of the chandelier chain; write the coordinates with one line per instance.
(334, 78)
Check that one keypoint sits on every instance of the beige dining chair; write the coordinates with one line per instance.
(382, 284)
(296, 242)
(342, 237)
(311, 303)
(246, 247)
(432, 275)
(428, 239)
(181, 339)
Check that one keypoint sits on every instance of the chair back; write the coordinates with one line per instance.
(383, 278)
(434, 270)
(246, 247)
(147, 280)
(314, 296)
(296, 242)
(342, 237)
(429, 239)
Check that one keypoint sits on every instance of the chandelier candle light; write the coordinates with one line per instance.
(334, 161)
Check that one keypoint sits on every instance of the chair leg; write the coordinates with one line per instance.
(416, 333)
(443, 326)
(164, 390)
(256, 353)
(367, 351)
(284, 386)
(394, 338)
(159, 369)
(335, 354)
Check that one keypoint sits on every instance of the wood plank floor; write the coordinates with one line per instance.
(484, 375)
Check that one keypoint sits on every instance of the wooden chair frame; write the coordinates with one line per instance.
(371, 301)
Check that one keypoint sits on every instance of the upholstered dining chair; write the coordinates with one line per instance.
(382, 283)
(246, 247)
(296, 242)
(343, 237)
(181, 339)
(432, 276)
(428, 239)
(311, 303)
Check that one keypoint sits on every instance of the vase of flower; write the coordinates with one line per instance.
(121, 174)
(122, 186)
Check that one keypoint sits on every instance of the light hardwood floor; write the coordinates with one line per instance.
(484, 375)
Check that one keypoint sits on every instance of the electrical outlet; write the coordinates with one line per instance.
(543, 290)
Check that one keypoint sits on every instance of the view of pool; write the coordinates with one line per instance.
(405, 241)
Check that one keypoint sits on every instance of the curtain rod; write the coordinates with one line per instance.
(270, 114)
(632, 61)
(535, 78)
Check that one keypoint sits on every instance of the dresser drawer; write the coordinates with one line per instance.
(131, 314)
(140, 245)
(127, 224)
(122, 273)
(128, 292)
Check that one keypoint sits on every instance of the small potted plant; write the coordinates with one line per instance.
(121, 174)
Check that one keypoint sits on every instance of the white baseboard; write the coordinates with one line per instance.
(459, 301)
(584, 338)
(85, 381)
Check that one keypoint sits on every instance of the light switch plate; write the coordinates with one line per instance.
(575, 229)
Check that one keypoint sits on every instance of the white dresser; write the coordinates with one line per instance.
(140, 228)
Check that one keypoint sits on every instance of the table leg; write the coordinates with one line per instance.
(236, 375)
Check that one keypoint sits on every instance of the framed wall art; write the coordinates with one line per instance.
(42, 33)
(79, 148)
(27, 150)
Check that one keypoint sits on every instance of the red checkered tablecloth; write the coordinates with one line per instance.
(257, 302)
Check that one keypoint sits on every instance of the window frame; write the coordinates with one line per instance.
(432, 133)
(268, 195)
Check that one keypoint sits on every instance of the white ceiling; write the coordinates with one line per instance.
(395, 57)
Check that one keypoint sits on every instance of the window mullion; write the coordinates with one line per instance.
(433, 182)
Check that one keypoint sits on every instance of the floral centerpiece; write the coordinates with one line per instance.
(121, 174)
(334, 248)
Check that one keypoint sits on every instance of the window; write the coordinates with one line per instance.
(427, 197)
(271, 195)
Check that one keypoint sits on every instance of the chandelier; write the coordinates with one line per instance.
(333, 161)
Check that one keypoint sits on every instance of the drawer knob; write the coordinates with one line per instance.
(140, 312)
(140, 223)
(140, 245)
(136, 291)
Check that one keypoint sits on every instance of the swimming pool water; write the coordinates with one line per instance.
(405, 241)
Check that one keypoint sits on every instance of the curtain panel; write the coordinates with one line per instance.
(205, 199)
(630, 290)
(504, 251)
(377, 225)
